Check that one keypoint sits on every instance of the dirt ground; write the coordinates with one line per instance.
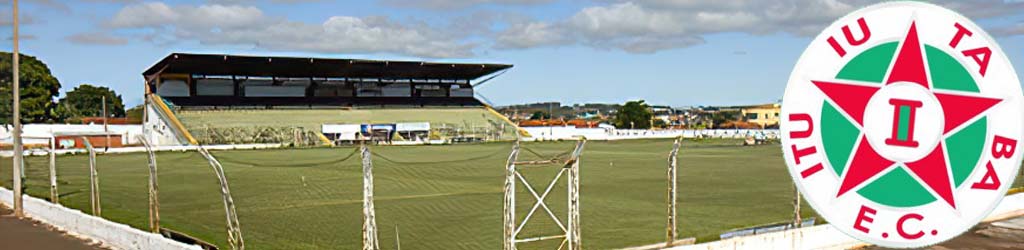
(30, 235)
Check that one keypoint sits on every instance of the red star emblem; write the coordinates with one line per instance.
(908, 66)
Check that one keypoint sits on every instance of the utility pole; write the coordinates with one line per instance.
(16, 110)
(551, 114)
(106, 131)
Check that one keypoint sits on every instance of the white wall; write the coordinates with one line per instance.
(128, 132)
(570, 132)
(158, 131)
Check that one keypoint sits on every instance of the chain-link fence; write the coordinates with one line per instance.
(434, 197)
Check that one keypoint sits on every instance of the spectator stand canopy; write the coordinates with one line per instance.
(258, 81)
(198, 86)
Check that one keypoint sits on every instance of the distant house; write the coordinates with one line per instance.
(761, 115)
(766, 115)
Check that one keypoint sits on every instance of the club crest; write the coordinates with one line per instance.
(901, 123)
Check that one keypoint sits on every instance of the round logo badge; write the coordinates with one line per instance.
(901, 124)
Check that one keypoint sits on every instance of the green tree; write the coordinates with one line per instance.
(634, 114)
(134, 114)
(87, 100)
(659, 123)
(38, 89)
(537, 115)
(721, 117)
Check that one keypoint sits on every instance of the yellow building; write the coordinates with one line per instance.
(765, 115)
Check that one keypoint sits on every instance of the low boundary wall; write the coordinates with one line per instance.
(41, 152)
(76, 223)
(828, 237)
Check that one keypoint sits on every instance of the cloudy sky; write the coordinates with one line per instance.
(674, 52)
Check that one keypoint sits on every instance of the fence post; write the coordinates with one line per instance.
(94, 179)
(398, 239)
(54, 195)
(509, 211)
(570, 235)
(670, 231)
(234, 228)
(370, 241)
(154, 201)
(796, 207)
(574, 237)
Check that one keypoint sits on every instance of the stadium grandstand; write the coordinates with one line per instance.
(231, 99)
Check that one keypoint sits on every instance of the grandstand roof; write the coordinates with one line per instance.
(213, 64)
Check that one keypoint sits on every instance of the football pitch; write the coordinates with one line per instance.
(434, 197)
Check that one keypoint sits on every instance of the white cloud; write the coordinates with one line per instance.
(96, 38)
(23, 37)
(525, 35)
(253, 1)
(111, 1)
(158, 14)
(7, 18)
(247, 25)
(456, 4)
(1011, 30)
(654, 25)
(628, 25)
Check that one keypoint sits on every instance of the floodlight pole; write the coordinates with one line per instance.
(370, 241)
(671, 231)
(16, 111)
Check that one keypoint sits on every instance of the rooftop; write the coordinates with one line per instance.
(266, 66)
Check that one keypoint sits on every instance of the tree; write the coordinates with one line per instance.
(134, 114)
(722, 117)
(38, 89)
(659, 123)
(537, 115)
(634, 114)
(87, 100)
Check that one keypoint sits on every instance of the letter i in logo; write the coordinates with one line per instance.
(904, 112)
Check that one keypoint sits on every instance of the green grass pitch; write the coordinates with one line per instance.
(438, 197)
